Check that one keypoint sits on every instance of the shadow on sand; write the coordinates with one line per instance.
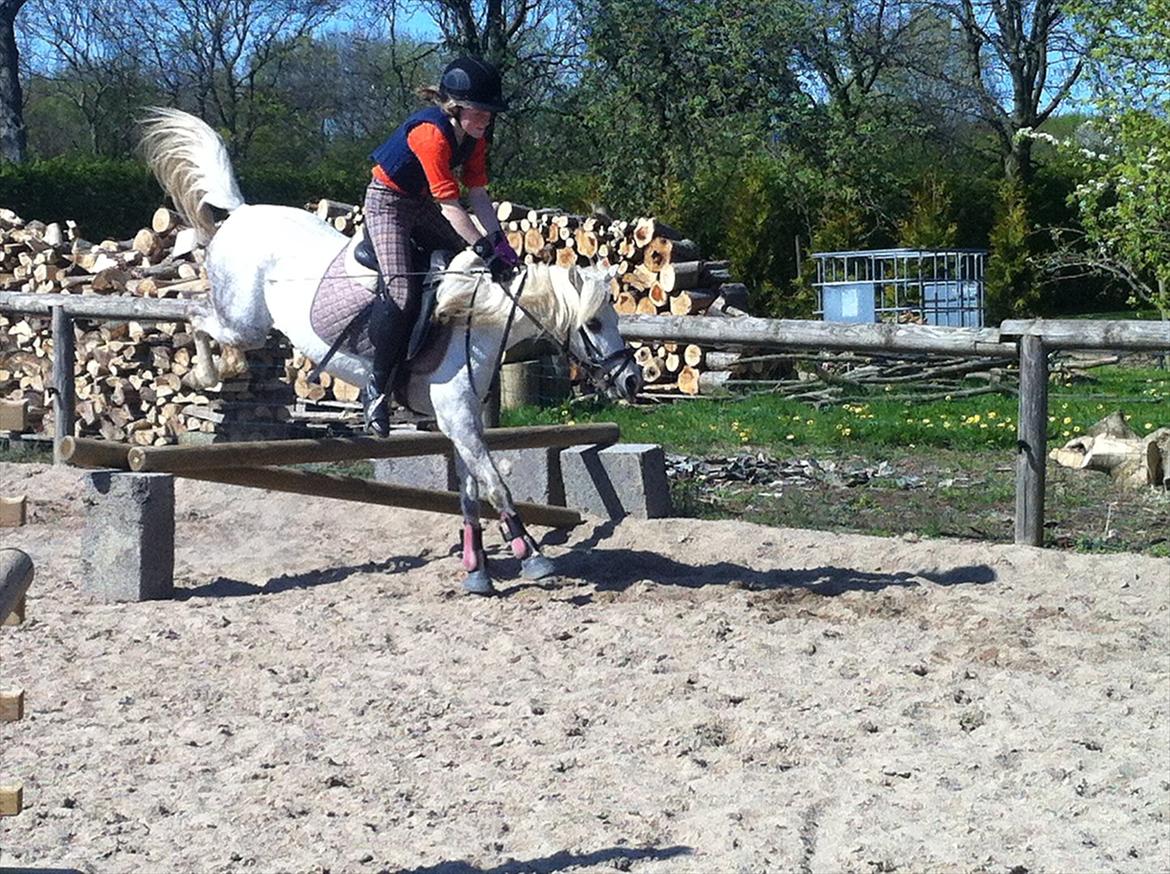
(612, 570)
(226, 587)
(561, 861)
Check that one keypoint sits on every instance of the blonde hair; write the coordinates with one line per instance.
(432, 94)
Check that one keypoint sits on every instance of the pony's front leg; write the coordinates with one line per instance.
(478, 581)
(482, 472)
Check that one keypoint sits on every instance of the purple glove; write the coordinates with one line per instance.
(504, 252)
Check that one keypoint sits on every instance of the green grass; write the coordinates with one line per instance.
(985, 422)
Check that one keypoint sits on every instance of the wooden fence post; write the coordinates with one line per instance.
(64, 387)
(1032, 442)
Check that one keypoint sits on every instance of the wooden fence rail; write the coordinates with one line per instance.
(1028, 341)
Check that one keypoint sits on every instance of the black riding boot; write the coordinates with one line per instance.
(386, 330)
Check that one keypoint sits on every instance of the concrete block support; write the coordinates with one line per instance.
(418, 471)
(128, 544)
(533, 474)
(628, 479)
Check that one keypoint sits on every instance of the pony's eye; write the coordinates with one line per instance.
(593, 325)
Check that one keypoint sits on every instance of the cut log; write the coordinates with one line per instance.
(688, 380)
(657, 253)
(165, 220)
(690, 303)
(1112, 446)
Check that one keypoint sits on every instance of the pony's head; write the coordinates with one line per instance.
(572, 306)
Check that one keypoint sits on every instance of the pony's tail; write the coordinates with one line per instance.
(191, 163)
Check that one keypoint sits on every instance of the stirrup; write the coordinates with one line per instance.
(376, 412)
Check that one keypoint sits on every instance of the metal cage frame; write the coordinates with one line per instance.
(927, 286)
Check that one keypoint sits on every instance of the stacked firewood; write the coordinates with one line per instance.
(658, 272)
(136, 382)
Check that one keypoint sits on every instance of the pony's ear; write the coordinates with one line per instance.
(575, 277)
(612, 271)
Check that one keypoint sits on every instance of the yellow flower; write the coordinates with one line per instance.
(790, 437)
(991, 414)
(1067, 420)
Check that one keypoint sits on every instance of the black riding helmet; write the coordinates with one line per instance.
(474, 82)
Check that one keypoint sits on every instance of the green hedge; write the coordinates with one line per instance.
(114, 198)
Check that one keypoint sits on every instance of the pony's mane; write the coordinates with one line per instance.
(563, 300)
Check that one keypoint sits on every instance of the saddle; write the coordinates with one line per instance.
(360, 268)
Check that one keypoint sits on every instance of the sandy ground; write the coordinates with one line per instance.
(686, 697)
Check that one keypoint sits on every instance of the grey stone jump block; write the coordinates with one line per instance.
(418, 471)
(532, 474)
(128, 543)
(628, 479)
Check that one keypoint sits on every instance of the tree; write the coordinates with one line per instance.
(13, 139)
(93, 64)
(1020, 60)
(671, 86)
(1125, 202)
(220, 58)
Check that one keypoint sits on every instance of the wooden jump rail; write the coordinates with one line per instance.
(255, 464)
(16, 575)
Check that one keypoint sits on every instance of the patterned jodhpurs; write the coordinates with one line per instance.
(394, 221)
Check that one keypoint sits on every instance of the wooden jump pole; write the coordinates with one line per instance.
(260, 453)
(87, 452)
(16, 575)
(346, 488)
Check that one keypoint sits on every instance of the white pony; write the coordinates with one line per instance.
(265, 264)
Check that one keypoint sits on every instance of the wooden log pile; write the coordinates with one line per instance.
(135, 382)
(657, 272)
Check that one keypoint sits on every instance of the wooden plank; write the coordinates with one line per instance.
(11, 799)
(1092, 333)
(64, 385)
(11, 705)
(176, 459)
(13, 511)
(801, 334)
(366, 491)
(110, 306)
(16, 575)
(1032, 443)
(14, 416)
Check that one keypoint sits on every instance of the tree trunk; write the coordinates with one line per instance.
(13, 138)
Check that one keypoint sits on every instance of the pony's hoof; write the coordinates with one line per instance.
(536, 567)
(478, 583)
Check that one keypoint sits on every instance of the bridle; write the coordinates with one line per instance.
(600, 369)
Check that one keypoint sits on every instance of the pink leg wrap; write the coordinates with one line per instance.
(473, 557)
(518, 539)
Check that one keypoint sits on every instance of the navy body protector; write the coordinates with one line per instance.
(403, 166)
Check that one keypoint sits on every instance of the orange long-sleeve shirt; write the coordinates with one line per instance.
(433, 151)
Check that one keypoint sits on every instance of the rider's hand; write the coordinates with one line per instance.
(503, 250)
(501, 258)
